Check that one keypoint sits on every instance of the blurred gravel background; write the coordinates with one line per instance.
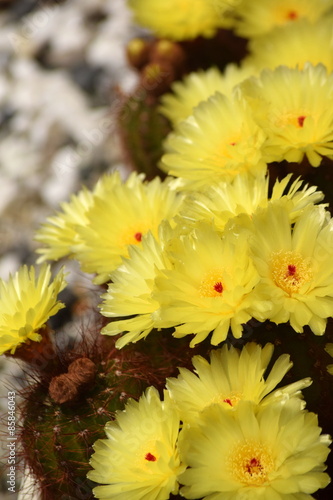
(62, 66)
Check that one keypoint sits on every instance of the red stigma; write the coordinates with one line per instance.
(228, 401)
(292, 15)
(300, 120)
(291, 270)
(150, 457)
(233, 144)
(138, 236)
(218, 287)
(254, 463)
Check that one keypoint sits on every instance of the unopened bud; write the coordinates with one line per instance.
(156, 78)
(168, 52)
(138, 51)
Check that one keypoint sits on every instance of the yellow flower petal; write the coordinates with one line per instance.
(139, 459)
(180, 19)
(218, 142)
(232, 376)
(253, 454)
(26, 303)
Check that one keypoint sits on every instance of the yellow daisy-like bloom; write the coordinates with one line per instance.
(254, 19)
(119, 218)
(139, 459)
(294, 45)
(329, 349)
(209, 287)
(219, 141)
(180, 19)
(294, 108)
(59, 233)
(129, 294)
(26, 303)
(277, 453)
(199, 86)
(295, 263)
(232, 376)
(221, 202)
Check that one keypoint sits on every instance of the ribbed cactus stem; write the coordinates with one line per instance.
(65, 412)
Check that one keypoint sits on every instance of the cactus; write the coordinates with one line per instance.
(142, 131)
(142, 128)
(81, 388)
(66, 409)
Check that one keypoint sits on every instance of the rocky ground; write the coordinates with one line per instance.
(62, 66)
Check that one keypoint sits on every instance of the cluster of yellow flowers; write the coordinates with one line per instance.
(283, 114)
(222, 432)
(201, 261)
(210, 248)
(187, 19)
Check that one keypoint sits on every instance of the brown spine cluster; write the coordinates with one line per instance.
(66, 387)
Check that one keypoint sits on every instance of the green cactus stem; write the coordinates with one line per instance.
(65, 412)
(142, 130)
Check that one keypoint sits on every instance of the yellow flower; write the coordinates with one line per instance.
(59, 233)
(294, 108)
(294, 45)
(180, 19)
(26, 303)
(254, 19)
(232, 376)
(119, 218)
(295, 263)
(139, 459)
(129, 294)
(219, 141)
(221, 202)
(199, 86)
(276, 453)
(209, 287)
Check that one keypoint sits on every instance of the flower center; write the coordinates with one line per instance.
(290, 271)
(132, 235)
(227, 401)
(291, 118)
(212, 284)
(145, 454)
(227, 155)
(300, 120)
(250, 463)
(225, 151)
(292, 15)
(150, 457)
(231, 401)
(297, 120)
